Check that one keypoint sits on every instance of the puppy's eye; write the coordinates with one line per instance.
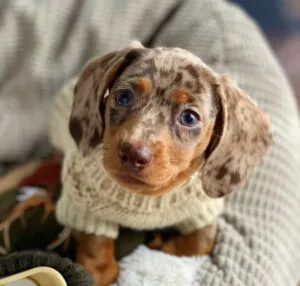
(189, 118)
(124, 97)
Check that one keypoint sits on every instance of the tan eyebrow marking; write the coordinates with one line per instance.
(181, 96)
(144, 85)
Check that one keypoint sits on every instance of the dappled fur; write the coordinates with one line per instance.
(231, 137)
(233, 134)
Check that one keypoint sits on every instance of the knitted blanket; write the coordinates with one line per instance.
(47, 43)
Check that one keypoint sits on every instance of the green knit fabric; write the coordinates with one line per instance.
(17, 262)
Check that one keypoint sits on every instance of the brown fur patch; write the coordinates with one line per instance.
(75, 129)
(178, 78)
(200, 242)
(144, 85)
(181, 96)
(96, 255)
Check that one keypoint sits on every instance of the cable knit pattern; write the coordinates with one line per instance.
(91, 199)
(46, 43)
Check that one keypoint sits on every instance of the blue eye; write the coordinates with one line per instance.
(124, 97)
(189, 118)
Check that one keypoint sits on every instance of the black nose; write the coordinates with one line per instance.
(135, 156)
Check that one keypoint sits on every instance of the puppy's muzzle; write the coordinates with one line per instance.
(135, 157)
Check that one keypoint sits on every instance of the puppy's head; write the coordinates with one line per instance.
(166, 115)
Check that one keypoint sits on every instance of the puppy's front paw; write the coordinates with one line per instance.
(200, 242)
(104, 273)
(96, 255)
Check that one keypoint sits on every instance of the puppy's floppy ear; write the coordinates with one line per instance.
(241, 137)
(86, 123)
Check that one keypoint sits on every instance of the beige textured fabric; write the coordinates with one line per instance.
(258, 240)
(45, 43)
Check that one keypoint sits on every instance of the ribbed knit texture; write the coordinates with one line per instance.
(94, 203)
(17, 262)
(45, 43)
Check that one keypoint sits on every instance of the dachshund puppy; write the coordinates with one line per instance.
(161, 139)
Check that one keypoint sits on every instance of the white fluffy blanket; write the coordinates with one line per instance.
(154, 268)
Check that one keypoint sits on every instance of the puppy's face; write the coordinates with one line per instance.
(167, 115)
(159, 119)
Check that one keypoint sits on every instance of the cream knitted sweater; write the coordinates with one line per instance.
(93, 202)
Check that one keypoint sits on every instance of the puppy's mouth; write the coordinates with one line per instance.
(129, 179)
(136, 184)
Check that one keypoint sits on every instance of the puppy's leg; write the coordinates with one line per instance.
(200, 242)
(96, 255)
